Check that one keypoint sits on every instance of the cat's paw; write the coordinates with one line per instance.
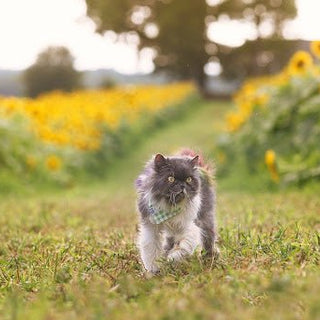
(153, 270)
(212, 254)
(175, 255)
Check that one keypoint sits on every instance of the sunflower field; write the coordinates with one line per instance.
(275, 126)
(59, 134)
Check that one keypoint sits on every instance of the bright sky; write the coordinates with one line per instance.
(28, 27)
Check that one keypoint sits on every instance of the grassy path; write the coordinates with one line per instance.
(198, 130)
(71, 255)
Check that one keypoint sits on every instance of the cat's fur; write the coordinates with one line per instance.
(194, 226)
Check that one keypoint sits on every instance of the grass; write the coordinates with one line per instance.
(72, 255)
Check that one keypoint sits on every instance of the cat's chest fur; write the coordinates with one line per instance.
(182, 221)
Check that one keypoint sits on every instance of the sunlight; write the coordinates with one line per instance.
(30, 26)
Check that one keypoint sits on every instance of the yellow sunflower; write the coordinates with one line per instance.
(315, 48)
(234, 121)
(300, 63)
(270, 158)
(53, 163)
(270, 161)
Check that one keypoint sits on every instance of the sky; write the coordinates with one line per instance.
(28, 27)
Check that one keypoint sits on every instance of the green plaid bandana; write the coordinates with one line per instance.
(159, 216)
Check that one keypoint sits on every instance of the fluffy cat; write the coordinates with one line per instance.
(176, 201)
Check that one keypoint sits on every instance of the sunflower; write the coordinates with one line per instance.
(53, 163)
(270, 161)
(234, 121)
(300, 63)
(315, 48)
(270, 158)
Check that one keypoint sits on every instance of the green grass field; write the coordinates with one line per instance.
(70, 254)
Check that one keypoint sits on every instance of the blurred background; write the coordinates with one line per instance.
(81, 82)
(215, 43)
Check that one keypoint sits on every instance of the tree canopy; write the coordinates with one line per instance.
(177, 29)
(53, 70)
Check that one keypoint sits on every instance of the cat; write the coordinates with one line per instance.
(176, 201)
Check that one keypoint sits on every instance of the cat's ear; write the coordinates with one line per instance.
(195, 161)
(159, 161)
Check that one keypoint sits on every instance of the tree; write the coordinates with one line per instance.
(177, 29)
(259, 57)
(53, 70)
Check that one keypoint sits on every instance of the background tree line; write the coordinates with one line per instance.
(177, 32)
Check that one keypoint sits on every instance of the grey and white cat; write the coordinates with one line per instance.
(176, 200)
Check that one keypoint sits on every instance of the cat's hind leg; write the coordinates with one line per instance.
(169, 243)
(206, 221)
(208, 239)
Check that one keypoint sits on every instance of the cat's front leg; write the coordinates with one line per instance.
(185, 243)
(150, 246)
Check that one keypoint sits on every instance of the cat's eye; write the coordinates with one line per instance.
(171, 179)
(189, 180)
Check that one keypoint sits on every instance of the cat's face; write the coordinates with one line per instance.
(175, 180)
